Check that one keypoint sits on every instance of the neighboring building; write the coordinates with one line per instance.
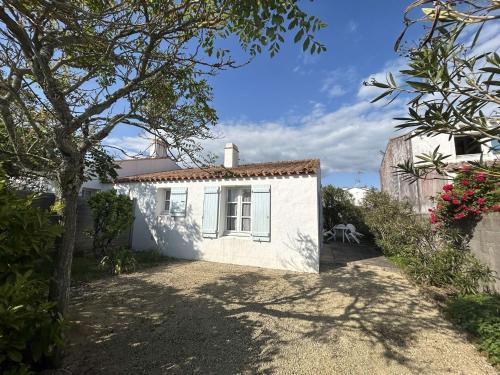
(158, 161)
(263, 214)
(358, 193)
(460, 148)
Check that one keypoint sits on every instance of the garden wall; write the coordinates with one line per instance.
(83, 243)
(485, 244)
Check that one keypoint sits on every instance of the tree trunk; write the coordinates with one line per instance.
(60, 283)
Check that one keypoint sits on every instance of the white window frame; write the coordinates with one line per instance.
(239, 211)
(165, 200)
(89, 192)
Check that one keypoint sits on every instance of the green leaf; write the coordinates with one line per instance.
(381, 96)
(298, 36)
(306, 44)
(14, 355)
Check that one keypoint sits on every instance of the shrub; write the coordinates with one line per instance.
(428, 257)
(471, 194)
(480, 315)
(29, 330)
(118, 261)
(112, 214)
(339, 208)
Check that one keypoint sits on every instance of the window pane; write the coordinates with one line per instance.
(246, 209)
(247, 195)
(231, 223)
(167, 194)
(246, 224)
(231, 209)
(232, 195)
(167, 206)
(467, 145)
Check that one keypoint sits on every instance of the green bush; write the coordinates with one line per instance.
(119, 261)
(29, 330)
(428, 257)
(339, 208)
(112, 214)
(479, 314)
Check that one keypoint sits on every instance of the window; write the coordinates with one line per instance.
(89, 192)
(167, 201)
(466, 145)
(238, 210)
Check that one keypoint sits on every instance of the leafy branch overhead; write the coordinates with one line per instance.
(452, 86)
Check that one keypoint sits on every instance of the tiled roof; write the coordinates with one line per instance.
(279, 168)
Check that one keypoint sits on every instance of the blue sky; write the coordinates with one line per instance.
(296, 106)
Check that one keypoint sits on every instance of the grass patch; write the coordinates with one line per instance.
(86, 268)
(479, 315)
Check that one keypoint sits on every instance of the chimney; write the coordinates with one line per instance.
(158, 149)
(231, 155)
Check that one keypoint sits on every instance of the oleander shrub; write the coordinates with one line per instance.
(427, 255)
(29, 329)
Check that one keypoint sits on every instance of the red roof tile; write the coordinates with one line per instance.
(279, 168)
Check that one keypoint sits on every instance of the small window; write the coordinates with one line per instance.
(167, 201)
(238, 210)
(89, 192)
(466, 145)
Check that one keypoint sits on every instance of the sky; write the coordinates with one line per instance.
(297, 106)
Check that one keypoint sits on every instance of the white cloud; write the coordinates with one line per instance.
(338, 81)
(348, 139)
(352, 26)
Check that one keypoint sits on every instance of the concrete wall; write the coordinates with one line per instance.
(397, 151)
(485, 244)
(421, 145)
(295, 224)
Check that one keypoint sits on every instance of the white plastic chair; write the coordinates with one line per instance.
(352, 233)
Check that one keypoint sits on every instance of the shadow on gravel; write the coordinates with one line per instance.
(240, 322)
(141, 328)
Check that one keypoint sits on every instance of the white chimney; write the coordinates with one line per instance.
(231, 155)
(158, 149)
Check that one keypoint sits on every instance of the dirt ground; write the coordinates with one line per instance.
(208, 318)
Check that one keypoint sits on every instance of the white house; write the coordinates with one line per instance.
(460, 149)
(264, 214)
(358, 194)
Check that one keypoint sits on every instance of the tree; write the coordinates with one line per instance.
(339, 208)
(453, 86)
(72, 71)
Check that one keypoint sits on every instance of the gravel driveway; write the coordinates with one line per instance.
(209, 318)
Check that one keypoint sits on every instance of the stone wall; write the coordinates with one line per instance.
(485, 244)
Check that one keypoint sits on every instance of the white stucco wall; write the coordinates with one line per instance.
(421, 145)
(295, 223)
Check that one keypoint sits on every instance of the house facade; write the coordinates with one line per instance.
(460, 148)
(264, 214)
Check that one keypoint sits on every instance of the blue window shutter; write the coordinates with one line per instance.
(210, 212)
(261, 213)
(178, 201)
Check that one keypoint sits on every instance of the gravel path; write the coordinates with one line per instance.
(209, 318)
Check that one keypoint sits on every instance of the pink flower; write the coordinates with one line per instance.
(469, 192)
(480, 176)
(465, 197)
(455, 201)
(465, 167)
(445, 197)
(459, 216)
(480, 201)
(465, 182)
(448, 187)
(496, 208)
(433, 218)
